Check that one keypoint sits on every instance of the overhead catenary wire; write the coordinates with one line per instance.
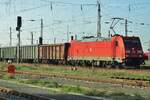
(63, 22)
(49, 2)
(53, 4)
(69, 3)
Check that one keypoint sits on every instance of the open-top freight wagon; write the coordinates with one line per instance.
(53, 53)
(28, 53)
(8, 53)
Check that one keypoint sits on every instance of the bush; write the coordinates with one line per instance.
(76, 89)
(95, 92)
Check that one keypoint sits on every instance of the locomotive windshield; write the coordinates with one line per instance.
(132, 42)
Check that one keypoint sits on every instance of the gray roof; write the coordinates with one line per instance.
(92, 38)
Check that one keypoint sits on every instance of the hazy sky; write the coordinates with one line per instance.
(79, 15)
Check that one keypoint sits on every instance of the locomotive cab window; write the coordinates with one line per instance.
(116, 43)
(132, 42)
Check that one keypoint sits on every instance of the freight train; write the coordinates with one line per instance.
(90, 51)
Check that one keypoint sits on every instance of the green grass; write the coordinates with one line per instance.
(74, 89)
(46, 83)
(53, 84)
(3, 66)
(25, 68)
(5, 77)
(85, 91)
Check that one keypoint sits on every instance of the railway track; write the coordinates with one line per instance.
(130, 78)
(140, 82)
(7, 93)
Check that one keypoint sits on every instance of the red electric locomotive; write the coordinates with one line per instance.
(114, 51)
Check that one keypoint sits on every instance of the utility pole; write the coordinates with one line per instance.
(109, 34)
(67, 33)
(37, 42)
(31, 38)
(41, 35)
(76, 37)
(54, 40)
(149, 48)
(99, 20)
(126, 27)
(10, 36)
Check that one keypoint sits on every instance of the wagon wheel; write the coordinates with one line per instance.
(117, 66)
